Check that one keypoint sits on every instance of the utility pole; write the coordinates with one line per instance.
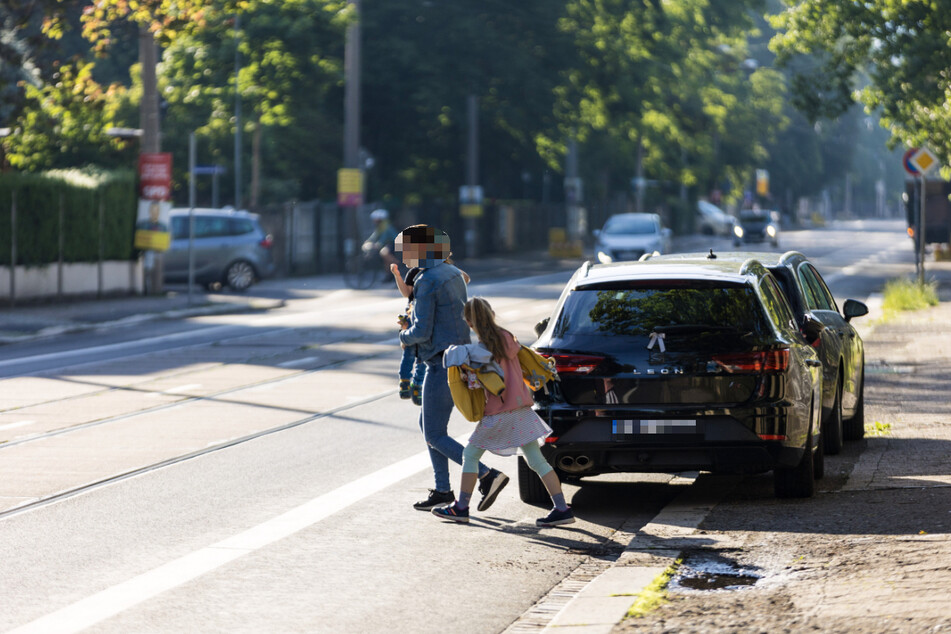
(151, 140)
(351, 123)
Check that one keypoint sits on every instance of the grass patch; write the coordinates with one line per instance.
(654, 595)
(904, 294)
(878, 429)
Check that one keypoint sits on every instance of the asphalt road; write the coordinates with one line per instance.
(257, 472)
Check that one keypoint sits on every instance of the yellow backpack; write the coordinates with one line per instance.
(536, 369)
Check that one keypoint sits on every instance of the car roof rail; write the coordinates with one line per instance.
(750, 266)
(790, 254)
(585, 268)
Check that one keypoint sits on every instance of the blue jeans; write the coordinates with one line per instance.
(410, 367)
(434, 423)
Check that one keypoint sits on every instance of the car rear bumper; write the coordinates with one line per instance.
(750, 442)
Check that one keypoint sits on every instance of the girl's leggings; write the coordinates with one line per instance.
(531, 451)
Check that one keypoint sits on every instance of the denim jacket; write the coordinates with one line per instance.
(440, 293)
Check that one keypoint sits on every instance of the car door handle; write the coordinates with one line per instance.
(813, 362)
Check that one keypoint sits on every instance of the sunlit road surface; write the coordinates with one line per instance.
(257, 472)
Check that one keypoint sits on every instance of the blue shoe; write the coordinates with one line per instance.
(555, 518)
(453, 512)
(417, 393)
(405, 392)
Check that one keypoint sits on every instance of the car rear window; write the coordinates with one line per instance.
(240, 226)
(640, 310)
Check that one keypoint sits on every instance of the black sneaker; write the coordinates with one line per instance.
(436, 498)
(452, 512)
(405, 389)
(416, 392)
(556, 518)
(490, 486)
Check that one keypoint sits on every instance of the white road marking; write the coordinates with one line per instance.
(21, 423)
(109, 602)
(182, 388)
(296, 362)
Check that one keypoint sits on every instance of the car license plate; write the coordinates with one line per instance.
(653, 426)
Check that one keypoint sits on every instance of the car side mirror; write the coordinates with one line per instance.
(596, 233)
(854, 308)
(811, 329)
(540, 327)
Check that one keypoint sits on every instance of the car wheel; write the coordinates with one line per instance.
(530, 487)
(240, 275)
(798, 481)
(854, 428)
(832, 428)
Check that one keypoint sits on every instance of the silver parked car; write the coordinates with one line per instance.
(629, 236)
(230, 248)
(713, 221)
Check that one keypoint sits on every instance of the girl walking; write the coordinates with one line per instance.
(509, 423)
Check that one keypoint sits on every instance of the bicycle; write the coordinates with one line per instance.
(363, 269)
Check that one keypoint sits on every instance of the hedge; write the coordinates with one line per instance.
(82, 191)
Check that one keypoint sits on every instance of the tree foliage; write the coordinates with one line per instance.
(670, 87)
(891, 56)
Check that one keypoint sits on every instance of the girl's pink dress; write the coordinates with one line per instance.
(509, 421)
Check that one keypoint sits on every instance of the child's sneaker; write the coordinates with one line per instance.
(556, 518)
(404, 388)
(417, 391)
(452, 512)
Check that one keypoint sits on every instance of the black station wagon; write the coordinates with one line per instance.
(680, 363)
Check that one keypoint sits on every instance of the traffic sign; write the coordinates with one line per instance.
(906, 161)
(924, 160)
(155, 175)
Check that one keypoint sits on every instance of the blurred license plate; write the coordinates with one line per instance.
(664, 426)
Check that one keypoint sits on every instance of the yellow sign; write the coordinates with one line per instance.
(762, 183)
(924, 160)
(152, 240)
(349, 186)
(470, 211)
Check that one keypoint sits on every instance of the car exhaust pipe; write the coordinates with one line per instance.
(575, 464)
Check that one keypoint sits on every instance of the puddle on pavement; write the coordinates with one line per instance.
(711, 571)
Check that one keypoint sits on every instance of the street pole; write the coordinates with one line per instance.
(470, 232)
(191, 214)
(921, 227)
(237, 113)
(351, 118)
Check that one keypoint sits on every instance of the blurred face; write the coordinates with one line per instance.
(423, 254)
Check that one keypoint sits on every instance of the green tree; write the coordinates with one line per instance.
(891, 56)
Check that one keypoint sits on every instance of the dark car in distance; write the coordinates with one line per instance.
(756, 225)
(678, 363)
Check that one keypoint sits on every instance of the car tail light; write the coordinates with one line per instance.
(772, 436)
(551, 440)
(267, 242)
(575, 363)
(756, 362)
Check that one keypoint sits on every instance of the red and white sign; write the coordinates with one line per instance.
(155, 176)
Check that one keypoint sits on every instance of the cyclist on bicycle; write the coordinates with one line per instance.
(383, 237)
